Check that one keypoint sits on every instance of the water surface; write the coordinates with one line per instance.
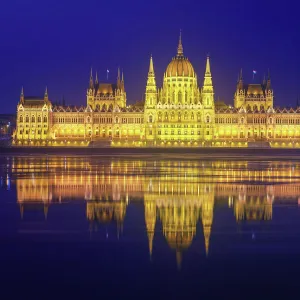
(95, 227)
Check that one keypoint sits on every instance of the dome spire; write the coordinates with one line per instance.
(151, 68)
(180, 48)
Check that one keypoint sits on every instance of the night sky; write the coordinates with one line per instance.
(55, 43)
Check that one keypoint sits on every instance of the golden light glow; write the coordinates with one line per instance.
(177, 194)
(179, 114)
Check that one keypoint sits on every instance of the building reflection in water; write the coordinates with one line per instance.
(177, 193)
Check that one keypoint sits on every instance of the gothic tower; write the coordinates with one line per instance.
(208, 103)
(150, 105)
(90, 91)
(239, 96)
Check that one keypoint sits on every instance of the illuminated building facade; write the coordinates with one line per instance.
(179, 114)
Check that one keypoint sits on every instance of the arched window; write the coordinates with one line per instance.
(117, 120)
(192, 116)
(21, 118)
(185, 116)
(207, 119)
(150, 119)
(159, 116)
(27, 119)
(271, 120)
(39, 119)
(199, 117)
(32, 119)
(242, 120)
(166, 116)
(45, 119)
(179, 116)
(179, 97)
(172, 115)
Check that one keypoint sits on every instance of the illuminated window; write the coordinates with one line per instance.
(32, 119)
(179, 97)
(45, 119)
(21, 118)
(150, 119)
(207, 119)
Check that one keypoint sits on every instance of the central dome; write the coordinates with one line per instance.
(180, 65)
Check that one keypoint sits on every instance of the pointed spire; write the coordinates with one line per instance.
(264, 80)
(151, 68)
(96, 80)
(207, 69)
(22, 95)
(207, 85)
(240, 80)
(119, 77)
(46, 94)
(180, 47)
(91, 86)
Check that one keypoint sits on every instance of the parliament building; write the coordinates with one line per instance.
(179, 114)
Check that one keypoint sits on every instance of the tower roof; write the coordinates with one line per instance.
(180, 65)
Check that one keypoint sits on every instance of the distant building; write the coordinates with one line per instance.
(7, 124)
(179, 114)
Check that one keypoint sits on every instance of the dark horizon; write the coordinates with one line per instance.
(54, 44)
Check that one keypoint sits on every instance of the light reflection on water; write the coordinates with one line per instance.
(180, 208)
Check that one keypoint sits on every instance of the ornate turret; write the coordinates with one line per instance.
(150, 103)
(151, 89)
(208, 102)
(207, 85)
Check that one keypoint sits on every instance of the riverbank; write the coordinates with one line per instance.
(203, 153)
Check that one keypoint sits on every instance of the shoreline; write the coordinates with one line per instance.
(183, 153)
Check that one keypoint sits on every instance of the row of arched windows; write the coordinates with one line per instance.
(33, 119)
